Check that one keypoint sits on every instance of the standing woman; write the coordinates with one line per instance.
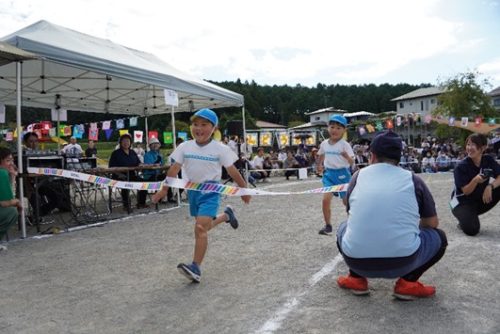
(475, 193)
(9, 206)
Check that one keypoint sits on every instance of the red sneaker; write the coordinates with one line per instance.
(406, 290)
(357, 285)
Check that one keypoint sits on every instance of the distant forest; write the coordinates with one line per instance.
(284, 104)
(276, 104)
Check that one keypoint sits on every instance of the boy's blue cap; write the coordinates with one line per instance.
(207, 114)
(338, 119)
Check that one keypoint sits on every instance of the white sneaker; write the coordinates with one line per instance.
(3, 248)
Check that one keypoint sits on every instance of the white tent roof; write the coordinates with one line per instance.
(8, 54)
(93, 74)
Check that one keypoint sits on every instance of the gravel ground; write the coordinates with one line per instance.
(274, 274)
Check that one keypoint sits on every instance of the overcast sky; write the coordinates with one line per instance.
(290, 42)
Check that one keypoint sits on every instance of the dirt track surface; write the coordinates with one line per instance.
(274, 274)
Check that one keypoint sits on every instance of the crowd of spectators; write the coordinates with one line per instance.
(432, 155)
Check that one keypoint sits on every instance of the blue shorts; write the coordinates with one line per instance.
(203, 203)
(430, 244)
(333, 177)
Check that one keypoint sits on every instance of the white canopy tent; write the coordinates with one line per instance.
(75, 71)
(93, 74)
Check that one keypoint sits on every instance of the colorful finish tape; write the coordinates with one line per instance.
(177, 183)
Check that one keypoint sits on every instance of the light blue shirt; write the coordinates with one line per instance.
(384, 215)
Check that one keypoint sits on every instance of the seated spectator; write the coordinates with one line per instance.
(124, 156)
(10, 207)
(242, 164)
(313, 160)
(91, 151)
(258, 164)
(73, 149)
(47, 191)
(30, 141)
(442, 162)
(429, 163)
(267, 164)
(275, 162)
(291, 162)
(360, 159)
(281, 155)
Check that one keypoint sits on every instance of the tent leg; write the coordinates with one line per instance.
(245, 141)
(172, 116)
(19, 145)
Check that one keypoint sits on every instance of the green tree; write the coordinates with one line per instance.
(464, 97)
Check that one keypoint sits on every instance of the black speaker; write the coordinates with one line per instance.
(235, 128)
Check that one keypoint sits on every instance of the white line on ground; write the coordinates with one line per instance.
(274, 323)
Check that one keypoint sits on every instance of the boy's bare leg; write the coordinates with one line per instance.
(201, 228)
(219, 219)
(326, 204)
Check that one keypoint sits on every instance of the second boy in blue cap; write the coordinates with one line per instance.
(335, 159)
(202, 159)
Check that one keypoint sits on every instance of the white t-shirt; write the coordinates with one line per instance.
(426, 161)
(258, 162)
(203, 163)
(73, 149)
(332, 153)
(233, 146)
(282, 156)
(247, 149)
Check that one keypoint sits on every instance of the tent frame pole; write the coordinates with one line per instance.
(19, 146)
(174, 144)
(245, 141)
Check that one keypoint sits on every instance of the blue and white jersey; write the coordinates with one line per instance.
(333, 157)
(203, 163)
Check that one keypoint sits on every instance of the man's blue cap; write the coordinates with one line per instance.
(387, 144)
(207, 114)
(338, 119)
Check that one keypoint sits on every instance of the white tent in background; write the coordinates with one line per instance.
(76, 71)
(94, 74)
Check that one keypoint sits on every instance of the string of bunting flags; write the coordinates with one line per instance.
(91, 130)
(416, 119)
(176, 183)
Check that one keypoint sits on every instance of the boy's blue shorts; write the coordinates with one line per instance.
(333, 177)
(203, 203)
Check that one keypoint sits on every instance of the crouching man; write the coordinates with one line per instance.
(392, 229)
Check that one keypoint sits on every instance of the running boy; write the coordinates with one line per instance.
(335, 158)
(202, 160)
